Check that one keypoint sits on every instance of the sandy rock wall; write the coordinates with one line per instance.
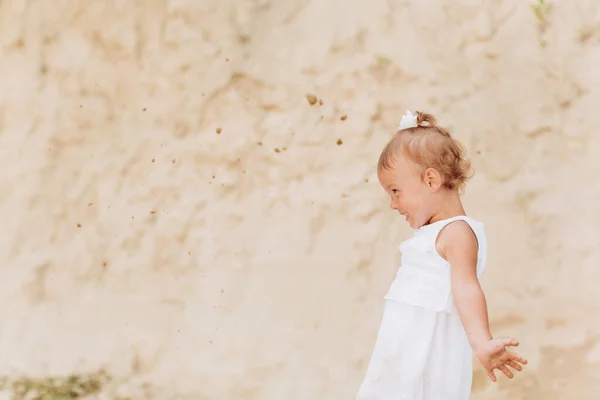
(176, 212)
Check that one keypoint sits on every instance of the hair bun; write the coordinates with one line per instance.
(424, 119)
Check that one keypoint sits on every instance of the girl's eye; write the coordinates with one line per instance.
(395, 191)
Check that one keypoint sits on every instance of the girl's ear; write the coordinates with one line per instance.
(432, 179)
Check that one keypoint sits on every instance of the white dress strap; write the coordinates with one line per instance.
(446, 222)
(479, 232)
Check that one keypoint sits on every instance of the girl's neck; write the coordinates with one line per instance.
(451, 206)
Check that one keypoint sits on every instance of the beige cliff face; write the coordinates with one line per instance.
(176, 211)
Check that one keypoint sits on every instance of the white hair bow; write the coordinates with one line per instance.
(409, 120)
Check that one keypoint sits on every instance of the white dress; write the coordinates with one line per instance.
(422, 351)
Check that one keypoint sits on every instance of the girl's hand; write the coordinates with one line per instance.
(493, 355)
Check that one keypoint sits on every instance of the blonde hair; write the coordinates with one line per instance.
(430, 146)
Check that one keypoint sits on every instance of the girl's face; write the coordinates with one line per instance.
(411, 192)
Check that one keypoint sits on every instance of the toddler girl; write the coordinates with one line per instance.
(435, 314)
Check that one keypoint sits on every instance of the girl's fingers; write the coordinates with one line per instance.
(514, 357)
(506, 371)
(514, 365)
(492, 375)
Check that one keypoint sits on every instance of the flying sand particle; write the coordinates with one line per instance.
(312, 99)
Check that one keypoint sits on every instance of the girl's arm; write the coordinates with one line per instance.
(458, 245)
